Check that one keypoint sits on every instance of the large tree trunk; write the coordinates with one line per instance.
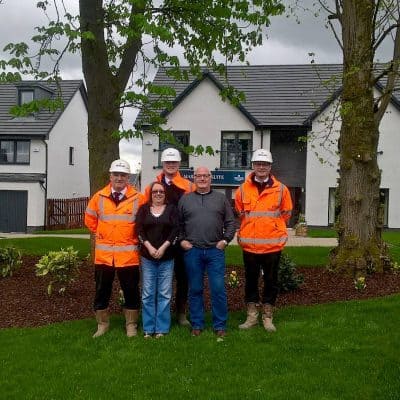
(105, 85)
(360, 249)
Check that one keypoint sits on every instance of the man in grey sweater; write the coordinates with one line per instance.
(207, 226)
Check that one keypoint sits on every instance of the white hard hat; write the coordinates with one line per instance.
(170, 154)
(120, 166)
(262, 155)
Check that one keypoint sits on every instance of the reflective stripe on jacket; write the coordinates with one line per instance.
(114, 227)
(263, 216)
(178, 180)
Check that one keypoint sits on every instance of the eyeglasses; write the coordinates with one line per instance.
(261, 164)
(202, 176)
(158, 191)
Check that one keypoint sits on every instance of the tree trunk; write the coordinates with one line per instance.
(103, 146)
(105, 85)
(360, 248)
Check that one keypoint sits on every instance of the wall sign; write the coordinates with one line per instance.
(219, 177)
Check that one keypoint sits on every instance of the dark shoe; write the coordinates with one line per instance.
(196, 332)
(221, 333)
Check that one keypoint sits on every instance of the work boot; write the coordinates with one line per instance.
(182, 320)
(267, 318)
(252, 317)
(103, 322)
(181, 315)
(131, 319)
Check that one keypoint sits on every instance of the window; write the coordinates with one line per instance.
(14, 151)
(182, 137)
(25, 96)
(236, 149)
(333, 210)
(384, 200)
(71, 156)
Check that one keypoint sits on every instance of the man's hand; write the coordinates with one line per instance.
(186, 245)
(221, 245)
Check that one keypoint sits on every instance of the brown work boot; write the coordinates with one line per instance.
(131, 319)
(252, 317)
(267, 318)
(103, 322)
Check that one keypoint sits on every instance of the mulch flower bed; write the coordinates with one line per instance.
(25, 303)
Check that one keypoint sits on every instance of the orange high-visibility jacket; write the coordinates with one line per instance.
(178, 180)
(263, 216)
(114, 227)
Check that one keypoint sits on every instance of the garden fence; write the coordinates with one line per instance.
(66, 213)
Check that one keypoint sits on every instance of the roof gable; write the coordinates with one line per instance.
(42, 122)
(276, 95)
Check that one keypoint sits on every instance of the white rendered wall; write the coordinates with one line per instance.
(320, 177)
(205, 115)
(388, 161)
(37, 163)
(36, 195)
(64, 180)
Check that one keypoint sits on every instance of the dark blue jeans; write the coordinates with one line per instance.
(199, 262)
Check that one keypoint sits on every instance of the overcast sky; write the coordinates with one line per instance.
(288, 42)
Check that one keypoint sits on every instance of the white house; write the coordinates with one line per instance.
(289, 109)
(42, 156)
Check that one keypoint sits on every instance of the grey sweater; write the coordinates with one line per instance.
(205, 219)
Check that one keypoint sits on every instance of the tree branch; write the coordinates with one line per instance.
(391, 79)
(132, 47)
(384, 34)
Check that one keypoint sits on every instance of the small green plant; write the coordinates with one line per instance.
(395, 267)
(359, 283)
(288, 278)
(233, 279)
(302, 219)
(61, 266)
(10, 260)
(121, 298)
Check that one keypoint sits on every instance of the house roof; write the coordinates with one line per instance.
(42, 122)
(276, 95)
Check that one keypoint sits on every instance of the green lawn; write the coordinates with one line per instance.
(348, 350)
(41, 245)
(390, 236)
(80, 231)
(302, 256)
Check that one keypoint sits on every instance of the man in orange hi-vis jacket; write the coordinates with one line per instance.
(111, 215)
(264, 206)
(175, 187)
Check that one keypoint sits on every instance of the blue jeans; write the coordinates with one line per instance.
(198, 262)
(156, 295)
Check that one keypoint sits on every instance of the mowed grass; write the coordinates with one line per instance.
(347, 350)
(80, 231)
(311, 256)
(41, 245)
(344, 350)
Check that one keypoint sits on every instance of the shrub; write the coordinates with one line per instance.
(10, 260)
(61, 266)
(288, 278)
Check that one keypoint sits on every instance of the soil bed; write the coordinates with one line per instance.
(24, 300)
